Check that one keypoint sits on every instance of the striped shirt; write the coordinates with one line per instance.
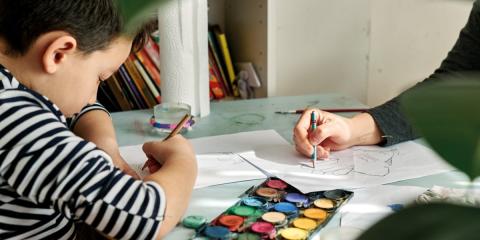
(50, 178)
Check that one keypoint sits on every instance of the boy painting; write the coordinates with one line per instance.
(56, 172)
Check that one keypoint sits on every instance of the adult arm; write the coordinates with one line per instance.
(464, 57)
(386, 124)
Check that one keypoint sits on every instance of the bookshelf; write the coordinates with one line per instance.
(246, 25)
(136, 84)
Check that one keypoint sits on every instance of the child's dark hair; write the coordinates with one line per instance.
(93, 23)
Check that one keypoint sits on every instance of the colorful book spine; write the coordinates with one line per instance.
(140, 83)
(120, 98)
(213, 48)
(126, 91)
(215, 81)
(153, 51)
(222, 41)
(130, 86)
(215, 87)
(150, 83)
(152, 69)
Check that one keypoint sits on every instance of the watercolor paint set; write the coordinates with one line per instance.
(272, 210)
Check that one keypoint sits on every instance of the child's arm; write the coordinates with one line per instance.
(96, 126)
(179, 167)
(176, 176)
(45, 162)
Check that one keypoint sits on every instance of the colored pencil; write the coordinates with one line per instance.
(174, 132)
(179, 127)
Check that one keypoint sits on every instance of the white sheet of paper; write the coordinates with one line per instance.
(220, 168)
(217, 162)
(353, 168)
(370, 205)
(273, 156)
(135, 157)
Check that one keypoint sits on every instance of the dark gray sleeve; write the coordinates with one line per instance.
(464, 57)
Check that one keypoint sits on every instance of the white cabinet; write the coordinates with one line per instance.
(367, 49)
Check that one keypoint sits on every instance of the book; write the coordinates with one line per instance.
(150, 67)
(215, 87)
(126, 90)
(140, 83)
(130, 86)
(222, 42)
(213, 48)
(149, 82)
(118, 82)
(136, 84)
(105, 96)
(120, 97)
(153, 51)
(213, 70)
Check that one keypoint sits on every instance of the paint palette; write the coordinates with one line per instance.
(273, 210)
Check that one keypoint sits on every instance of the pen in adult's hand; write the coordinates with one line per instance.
(313, 126)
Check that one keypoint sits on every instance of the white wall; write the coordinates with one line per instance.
(322, 47)
(409, 39)
(367, 49)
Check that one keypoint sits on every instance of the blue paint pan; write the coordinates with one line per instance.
(285, 207)
(217, 232)
(254, 202)
(297, 198)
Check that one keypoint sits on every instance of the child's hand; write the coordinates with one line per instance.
(151, 165)
(128, 170)
(333, 133)
(162, 152)
(176, 176)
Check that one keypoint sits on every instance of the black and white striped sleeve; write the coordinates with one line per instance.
(45, 162)
(90, 107)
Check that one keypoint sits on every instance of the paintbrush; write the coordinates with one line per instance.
(332, 110)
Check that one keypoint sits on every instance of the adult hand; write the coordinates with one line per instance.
(333, 132)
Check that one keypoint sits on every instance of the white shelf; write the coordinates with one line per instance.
(246, 24)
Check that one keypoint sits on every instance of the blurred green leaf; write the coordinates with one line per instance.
(136, 12)
(428, 222)
(447, 115)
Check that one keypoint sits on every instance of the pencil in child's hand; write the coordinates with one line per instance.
(150, 163)
(179, 127)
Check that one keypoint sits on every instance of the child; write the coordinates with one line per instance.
(53, 55)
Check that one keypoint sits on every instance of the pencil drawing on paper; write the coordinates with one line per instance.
(222, 158)
(332, 166)
(370, 162)
(228, 158)
(374, 162)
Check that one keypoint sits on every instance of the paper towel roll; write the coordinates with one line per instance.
(183, 30)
